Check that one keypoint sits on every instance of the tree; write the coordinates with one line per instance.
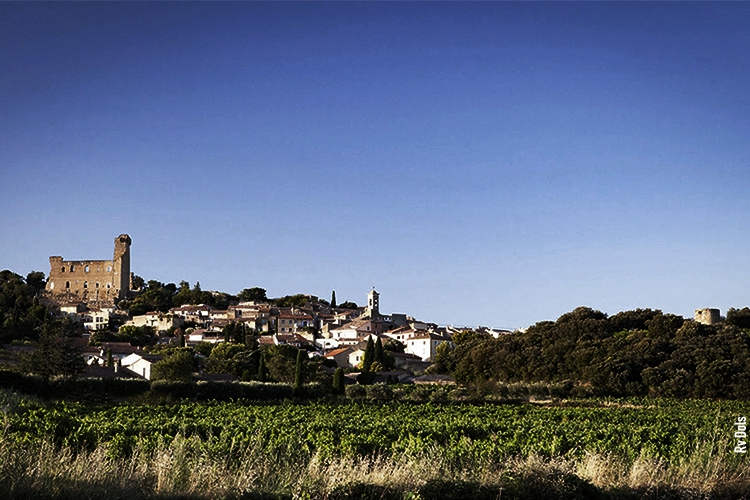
(297, 300)
(347, 305)
(254, 294)
(333, 298)
(338, 381)
(394, 345)
(36, 281)
(56, 354)
(298, 373)
(280, 361)
(378, 352)
(368, 358)
(175, 367)
(235, 332)
(262, 368)
(110, 359)
(138, 282)
(136, 335)
(739, 317)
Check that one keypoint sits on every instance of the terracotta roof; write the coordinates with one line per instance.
(336, 352)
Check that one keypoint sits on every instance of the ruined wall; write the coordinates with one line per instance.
(91, 280)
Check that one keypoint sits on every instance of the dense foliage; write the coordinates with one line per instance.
(630, 353)
(160, 297)
(21, 315)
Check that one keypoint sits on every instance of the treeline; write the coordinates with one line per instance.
(154, 296)
(640, 352)
(160, 297)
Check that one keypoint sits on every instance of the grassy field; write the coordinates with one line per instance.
(335, 450)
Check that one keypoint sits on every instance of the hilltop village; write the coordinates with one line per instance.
(97, 319)
(96, 294)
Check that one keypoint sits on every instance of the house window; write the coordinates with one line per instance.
(85, 284)
(97, 284)
(63, 269)
(109, 269)
(67, 284)
(86, 269)
(72, 268)
(109, 285)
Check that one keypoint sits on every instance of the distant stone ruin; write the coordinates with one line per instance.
(91, 281)
(708, 316)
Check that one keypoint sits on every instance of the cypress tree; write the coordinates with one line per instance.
(298, 374)
(333, 298)
(262, 368)
(367, 359)
(378, 352)
(338, 381)
(110, 360)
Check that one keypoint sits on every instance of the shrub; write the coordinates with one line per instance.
(355, 392)
(379, 392)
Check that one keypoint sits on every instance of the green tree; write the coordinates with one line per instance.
(110, 359)
(333, 298)
(369, 356)
(55, 354)
(235, 332)
(254, 294)
(298, 372)
(298, 300)
(739, 317)
(281, 362)
(138, 282)
(394, 345)
(338, 381)
(136, 335)
(348, 305)
(262, 368)
(175, 367)
(378, 352)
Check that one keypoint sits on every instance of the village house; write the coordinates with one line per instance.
(255, 315)
(197, 314)
(96, 319)
(340, 356)
(161, 322)
(291, 321)
(425, 345)
(140, 364)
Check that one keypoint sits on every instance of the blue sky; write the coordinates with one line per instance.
(478, 163)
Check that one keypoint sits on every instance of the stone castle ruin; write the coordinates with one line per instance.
(708, 316)
(91, 281)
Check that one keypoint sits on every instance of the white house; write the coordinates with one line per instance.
(140, 364)
(425, 345)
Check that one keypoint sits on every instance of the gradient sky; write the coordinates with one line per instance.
(478, 163)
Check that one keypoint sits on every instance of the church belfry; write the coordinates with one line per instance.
(373, 304)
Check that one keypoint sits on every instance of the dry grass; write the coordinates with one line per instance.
(177, 470)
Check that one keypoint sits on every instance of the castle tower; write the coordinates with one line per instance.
(121, 265)
(373, 304)
(708, 316)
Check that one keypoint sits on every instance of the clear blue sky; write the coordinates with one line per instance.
(479, 163)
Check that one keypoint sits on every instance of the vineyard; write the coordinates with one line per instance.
(291, 448)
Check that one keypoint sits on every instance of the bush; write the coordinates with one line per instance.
(379, 392)
(355, 392)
